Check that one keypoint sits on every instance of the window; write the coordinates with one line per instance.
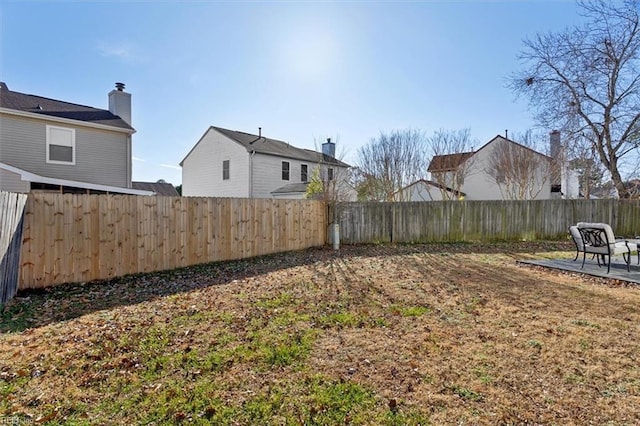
(329, 174)
(61, 145)
(304, 175)
(285, 170)
(225, 170)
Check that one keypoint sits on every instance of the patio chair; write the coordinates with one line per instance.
(577, 240)
(598, 239)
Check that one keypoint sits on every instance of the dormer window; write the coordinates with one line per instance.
(61, 145)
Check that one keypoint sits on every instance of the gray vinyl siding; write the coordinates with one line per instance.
(102, 156)
(202, 168)
(267, 173)
(12, 182)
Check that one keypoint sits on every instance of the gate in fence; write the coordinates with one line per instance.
(11, 220)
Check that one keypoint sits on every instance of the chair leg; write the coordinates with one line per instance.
(584, 257)
(578, 253)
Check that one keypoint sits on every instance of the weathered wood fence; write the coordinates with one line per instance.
(77, 238)
(441, 221)
(11, 220)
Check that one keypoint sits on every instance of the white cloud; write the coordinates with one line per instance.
(134, 158)
(123, 51)
(171, 166)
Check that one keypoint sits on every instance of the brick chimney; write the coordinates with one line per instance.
(329, 148)
(120, 103)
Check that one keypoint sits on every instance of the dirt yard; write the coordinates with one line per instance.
(380, 334)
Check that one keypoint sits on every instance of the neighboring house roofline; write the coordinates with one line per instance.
(514, 142)
(292, 188)
(432, 183)
(454, 163)
(32, 177)
(448, 162)
(159, 188)
(67, 121)
(196, 145)
(303, 160)
(267, 146)
(40, 106)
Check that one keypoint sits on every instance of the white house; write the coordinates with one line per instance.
(230, 163)
(500, 170)
(52, 145)
(427, 190)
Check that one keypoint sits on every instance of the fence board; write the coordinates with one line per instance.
(12, 220)
(79, 237)
(439, 221)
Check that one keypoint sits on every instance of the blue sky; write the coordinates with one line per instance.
(302, 71)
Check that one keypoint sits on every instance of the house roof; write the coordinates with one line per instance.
(291, 188)
(268, 146)
(160, 188)
(449, 162)
(32, 177)
(60, 109)
(434, 184)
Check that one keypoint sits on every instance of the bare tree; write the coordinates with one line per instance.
(584, 160)
(452, 160)
(330, 180)
(518, 169)
(390, 162)
(586, 81)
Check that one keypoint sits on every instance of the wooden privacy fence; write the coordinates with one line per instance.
(11, 221)
(77, 238)
(438, 221)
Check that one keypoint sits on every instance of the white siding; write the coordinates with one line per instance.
(480, 185)
(102, 157)
(422, 191)
(202, 168)
(12, 182)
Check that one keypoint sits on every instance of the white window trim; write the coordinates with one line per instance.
(73, 146)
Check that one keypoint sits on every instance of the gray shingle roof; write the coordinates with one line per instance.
(160, 188)
(292, 187)
(269, 146)
(51, 107)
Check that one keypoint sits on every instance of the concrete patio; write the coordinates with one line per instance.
(618, 267)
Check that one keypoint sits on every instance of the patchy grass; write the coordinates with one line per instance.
(371, 335)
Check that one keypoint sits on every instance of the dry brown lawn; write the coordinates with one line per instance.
(423, 334)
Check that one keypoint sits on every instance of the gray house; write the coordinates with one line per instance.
(51, 145)
(229, 163)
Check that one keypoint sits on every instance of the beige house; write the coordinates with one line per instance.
(230, 163)
(500, 170)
